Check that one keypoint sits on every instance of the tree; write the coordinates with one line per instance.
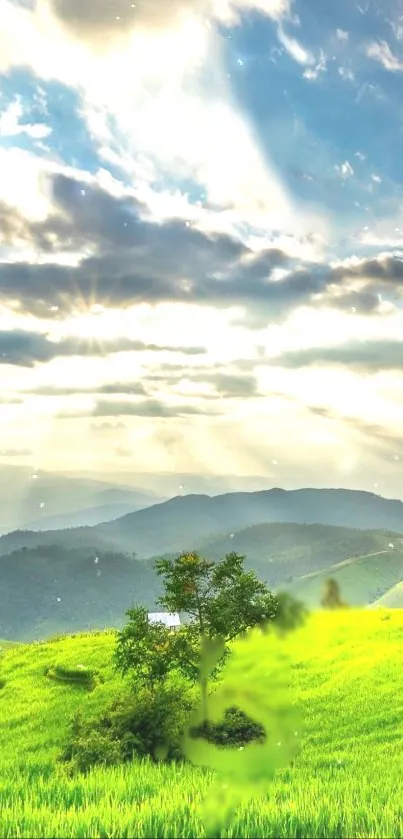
(221, 598)
(332, 598)
(222, 601)
(144, 649)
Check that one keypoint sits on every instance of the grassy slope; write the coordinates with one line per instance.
(392, 599)
(362, 579)
(277, 551)
(349, 686)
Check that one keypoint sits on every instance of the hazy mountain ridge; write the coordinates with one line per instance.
(185, 521)
(28, 496)
(88, 517)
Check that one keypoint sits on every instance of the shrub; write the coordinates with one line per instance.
(91, 747)
(236, 729)
(146, 724)
(79, 675)
(152, 724)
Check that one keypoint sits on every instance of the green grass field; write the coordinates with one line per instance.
(347, 781)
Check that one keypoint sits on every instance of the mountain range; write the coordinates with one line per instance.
(30, 497)
(185, 521)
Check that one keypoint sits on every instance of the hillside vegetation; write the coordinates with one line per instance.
(347, 679)
(52, 589)
(48, 590)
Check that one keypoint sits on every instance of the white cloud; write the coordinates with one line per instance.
(345, 170)
(167, 121)
(380, 51)
(346, 74)
(295, 49)
(10, 125)
(342, 35)
(376, 179)
(313, 73)
(20, 183)
(397, 29)
(230, 11)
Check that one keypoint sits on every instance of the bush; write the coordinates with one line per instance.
(91, 748)
(236, 730)
(145, 724)
(154, 724)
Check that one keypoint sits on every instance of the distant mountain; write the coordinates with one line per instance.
(95, 515)
(187, 521)
(170, 484)
(82, 518)
(28, 495)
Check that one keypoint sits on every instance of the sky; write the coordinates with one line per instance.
(201, 238)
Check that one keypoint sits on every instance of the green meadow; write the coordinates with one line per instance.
(347, 780)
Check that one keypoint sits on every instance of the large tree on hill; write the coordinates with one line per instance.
(220, 598)
(221, 601)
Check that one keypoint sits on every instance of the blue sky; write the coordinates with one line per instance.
(201, 235)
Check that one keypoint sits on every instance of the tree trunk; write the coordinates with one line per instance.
(204, 684)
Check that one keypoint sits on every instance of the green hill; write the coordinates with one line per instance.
(347, 679)
(49, 590)
(392, 599)
(280, 551)
(362, 580)
(52, 589)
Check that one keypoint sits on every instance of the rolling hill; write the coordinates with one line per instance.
(391, 599)
(346, 681)
(52, 589)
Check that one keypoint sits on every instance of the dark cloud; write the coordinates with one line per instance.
(378, 276)
(106, 426)
(10, 400)
(131, 389)
(26, 349)
(367, 356)
(148, 262)
(137, 260)
(145, 408)
(387, 269)
(227, 384)
(99, 21)
(365, 302)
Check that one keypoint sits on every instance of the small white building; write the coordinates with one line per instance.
(169, 619)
